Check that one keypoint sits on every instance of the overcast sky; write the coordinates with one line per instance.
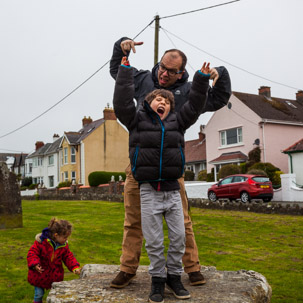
(50, 47)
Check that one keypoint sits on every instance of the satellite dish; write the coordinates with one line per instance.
(257, 142)
(229, 105)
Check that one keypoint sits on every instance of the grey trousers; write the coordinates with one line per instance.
(155, 205)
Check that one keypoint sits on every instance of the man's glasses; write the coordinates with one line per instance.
(170, 72)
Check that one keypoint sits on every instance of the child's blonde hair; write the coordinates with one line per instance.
(61, 227)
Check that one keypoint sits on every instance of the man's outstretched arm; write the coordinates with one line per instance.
(121, 48)
(220, 92)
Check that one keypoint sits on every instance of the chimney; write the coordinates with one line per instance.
(86, 121)
(55, 137)
(299, 97)
(265, 91)
(109, 114)
(201, 133)
(39, 144)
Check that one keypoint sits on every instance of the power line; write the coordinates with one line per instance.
(200, 9)
(75, 89)
(235, 66)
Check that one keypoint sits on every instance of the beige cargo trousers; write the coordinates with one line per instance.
(132, 233)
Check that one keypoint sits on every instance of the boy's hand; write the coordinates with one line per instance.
(39, 268)
(205, 68)
(214, 75)
(125, 61)
(127, 45)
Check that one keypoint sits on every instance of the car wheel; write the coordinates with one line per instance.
(266, 199)
(212, 196)
(245, 197)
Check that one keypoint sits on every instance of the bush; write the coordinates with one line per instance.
(189, 175)
(229, 169)
(27, 181)
(23, 187)
(211, 176)
(257, 172)
(32, 186)
(276, 180)
(243, 168)
(267, 167)
(202, 175)
(103, 177)
(254, 155)
(64, 184)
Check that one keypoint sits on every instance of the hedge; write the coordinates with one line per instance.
(103, 177)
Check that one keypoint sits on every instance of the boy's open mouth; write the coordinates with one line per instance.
(160, 110)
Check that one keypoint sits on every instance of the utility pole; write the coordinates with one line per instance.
(156, 50)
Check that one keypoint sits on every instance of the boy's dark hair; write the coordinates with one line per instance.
(163, 93)
(61, 227)
(183, 56)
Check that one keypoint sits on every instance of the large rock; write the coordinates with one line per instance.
(221, 287)
(10, 199)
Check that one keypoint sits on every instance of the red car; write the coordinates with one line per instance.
(244, 187)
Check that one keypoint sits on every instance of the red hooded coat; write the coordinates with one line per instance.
(43, 253)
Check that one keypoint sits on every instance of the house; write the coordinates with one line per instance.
(43, 164)
(195, 153)
(251, 120)
(100, 145)
(295, 160)
(14, 162)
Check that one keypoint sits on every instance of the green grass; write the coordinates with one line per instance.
(269, 244)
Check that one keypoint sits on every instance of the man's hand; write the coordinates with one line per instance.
(127, 45)
(124, 61)
(214, 75)
(39, 268)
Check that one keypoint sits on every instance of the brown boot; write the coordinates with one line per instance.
(196, 278)
(122, 279)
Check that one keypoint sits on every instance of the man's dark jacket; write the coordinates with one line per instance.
(146, 81)
(156, 147)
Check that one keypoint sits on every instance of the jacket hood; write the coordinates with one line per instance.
(178, 83)
(44, 235)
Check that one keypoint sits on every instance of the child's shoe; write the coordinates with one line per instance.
(157, 290)
(175, 285)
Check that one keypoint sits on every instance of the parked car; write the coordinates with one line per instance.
(244, 187)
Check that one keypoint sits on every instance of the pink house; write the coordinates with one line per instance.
(254, 120)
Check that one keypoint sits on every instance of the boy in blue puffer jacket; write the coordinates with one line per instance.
(156, 143)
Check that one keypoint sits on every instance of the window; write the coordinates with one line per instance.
(51, 160)
(30, 167)
(61, 157)
(40, 161)
(239, 179)
(66, 176)
(65, 155)
(73, 155)
(51, 181)
(35, 162)
(226, 181)
(231, 136)
(73, 176)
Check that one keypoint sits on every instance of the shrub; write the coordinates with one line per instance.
(32, 186)
(27, 181)
(211, 176)
(64, 184)
(229, 169)
(23, 188)
(103, 177)
(202, 175)
(276, 180)
(254, 155)
(267, 167)
(257, 172)
(189, 175)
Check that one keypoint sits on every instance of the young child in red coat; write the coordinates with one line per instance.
(45, 257)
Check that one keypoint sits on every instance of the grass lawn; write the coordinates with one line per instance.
(269, 244)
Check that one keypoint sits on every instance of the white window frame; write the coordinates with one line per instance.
(51, 160)
(51, 181)
(224, 139)
(66, 176)
(65, 155)
(72, 155)
(73, 175)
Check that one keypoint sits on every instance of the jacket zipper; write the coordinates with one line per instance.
(162, 143)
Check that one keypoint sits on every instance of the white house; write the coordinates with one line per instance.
(44, 163)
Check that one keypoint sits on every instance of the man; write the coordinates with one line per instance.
(170, 74)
